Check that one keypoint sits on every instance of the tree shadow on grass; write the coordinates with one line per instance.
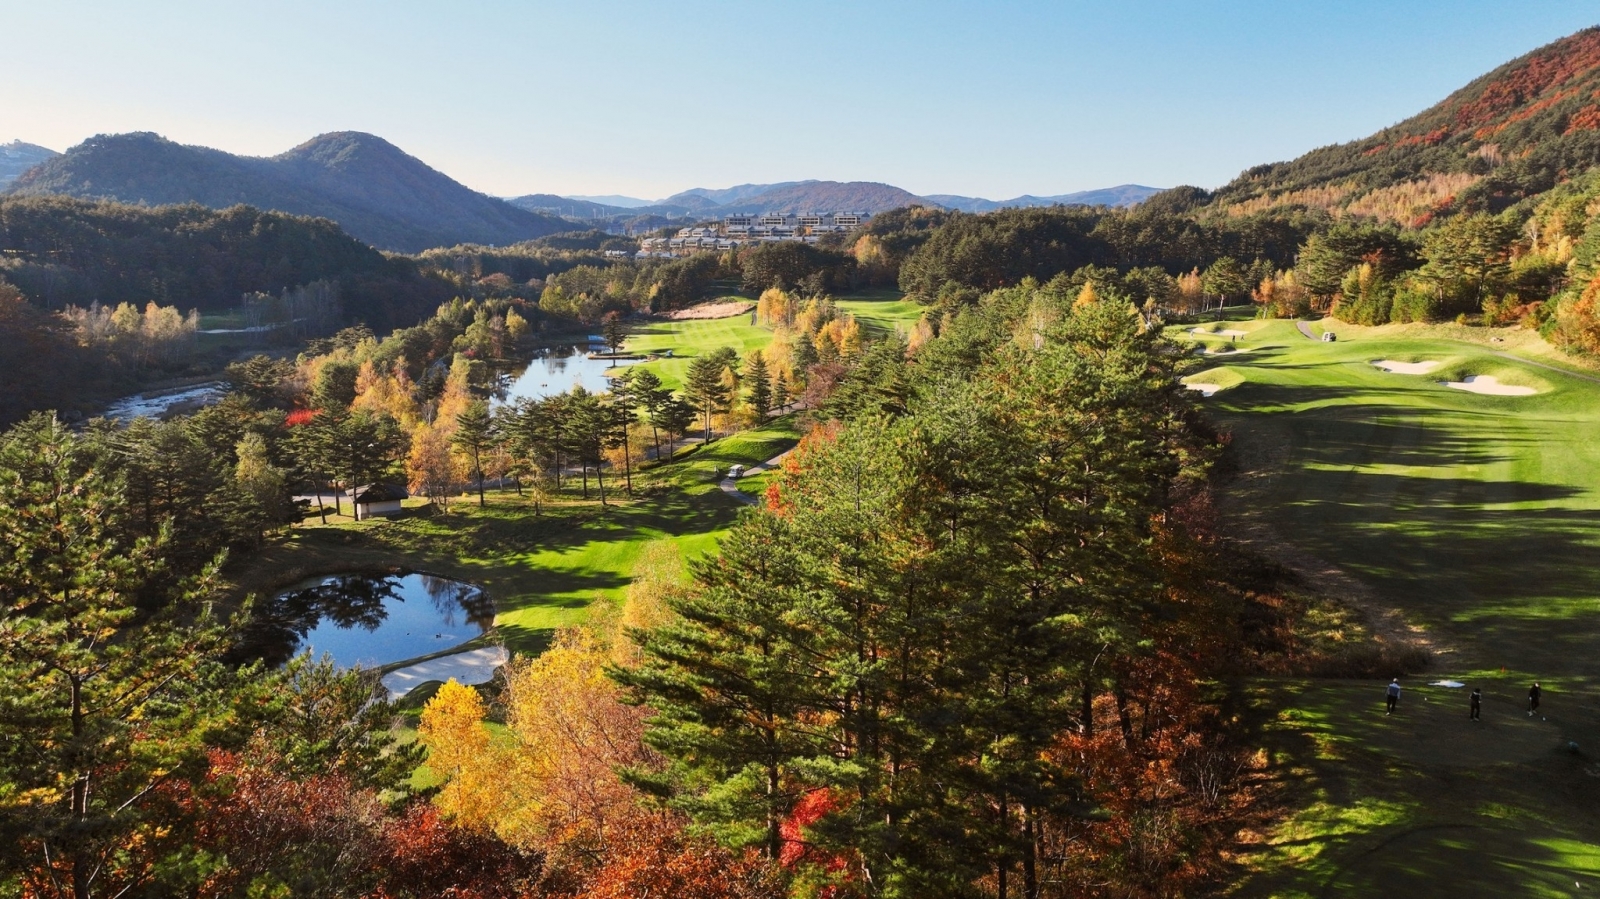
(1375, 818)
(1400, 438)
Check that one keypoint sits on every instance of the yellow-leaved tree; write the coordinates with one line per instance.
(460, 750)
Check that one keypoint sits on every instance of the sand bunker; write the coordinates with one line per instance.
(1490, 385)
(1408, 368)
(712, 310)
(475, 666)
(1205, 389)
(1225, 332)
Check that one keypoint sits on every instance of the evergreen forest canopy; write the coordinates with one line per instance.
(977, 638)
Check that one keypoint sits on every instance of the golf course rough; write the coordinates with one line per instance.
(1477, 517)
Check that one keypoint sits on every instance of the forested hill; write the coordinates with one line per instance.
(17, 157)
(370, 187)
(62, 251)
(1508, 135)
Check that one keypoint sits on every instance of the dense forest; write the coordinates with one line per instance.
(980, 636)
(62, 252)
(792, 720)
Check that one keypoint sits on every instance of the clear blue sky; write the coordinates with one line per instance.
(987, 99)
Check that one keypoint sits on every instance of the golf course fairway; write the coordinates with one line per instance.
(1469, 523)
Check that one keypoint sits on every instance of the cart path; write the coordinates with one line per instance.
(1561, 371)
(1305, 328)
(731, 486)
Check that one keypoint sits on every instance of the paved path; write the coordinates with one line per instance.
(731, 486)
(1549, 367)
(1305, 328)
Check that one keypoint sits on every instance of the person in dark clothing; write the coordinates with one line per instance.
(1533, 699)
(1477, 705)
(1393, 698)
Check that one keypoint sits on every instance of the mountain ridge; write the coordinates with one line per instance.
(1505, 136)
(370, 187)
(18, 156)
(788, 197)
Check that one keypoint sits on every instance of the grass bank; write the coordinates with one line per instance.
(1472, 524)
(542, 570)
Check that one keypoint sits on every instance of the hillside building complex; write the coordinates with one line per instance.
(735, 231)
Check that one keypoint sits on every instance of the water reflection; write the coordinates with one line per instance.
(369, 620)
(557, 370)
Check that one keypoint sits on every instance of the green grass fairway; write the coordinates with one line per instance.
(687, 339)
(881, 312)
(544, 571)
(1478, 519)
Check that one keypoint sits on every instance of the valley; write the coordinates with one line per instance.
(369, 535)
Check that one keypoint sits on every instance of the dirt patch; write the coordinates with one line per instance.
(721, 309)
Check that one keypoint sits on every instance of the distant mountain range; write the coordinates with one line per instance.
(868, 197)
(17, 157)
(394, 201)
(617, 200)
(1121, 195)
(369, 186)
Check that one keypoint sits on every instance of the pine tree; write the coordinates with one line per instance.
(652, 396)
(704, 388)
(804, 354)
(780, 391)
(615, 331)
(622, 411)
(758, 385)
(475, 434)
(103, 703)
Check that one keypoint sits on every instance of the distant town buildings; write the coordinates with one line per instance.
(736, 231)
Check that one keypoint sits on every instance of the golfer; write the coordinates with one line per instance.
(1477, 705)
(1533, 699)
(1394, 696)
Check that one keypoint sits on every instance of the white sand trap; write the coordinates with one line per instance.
(1490, 385)
(475, 666)
(1225, 332)
(1205, 389)
(1408, 368)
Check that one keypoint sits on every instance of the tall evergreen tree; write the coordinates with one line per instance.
(704, 388)
(475, 435)
(758, 385)
(615, 331)
(646, 386)
(103, 648)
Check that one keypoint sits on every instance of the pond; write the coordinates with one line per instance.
(369, 620)
(556, 370)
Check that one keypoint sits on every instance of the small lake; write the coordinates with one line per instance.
(369, 620)
(556, 370)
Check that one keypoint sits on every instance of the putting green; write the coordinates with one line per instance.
(1477, 517)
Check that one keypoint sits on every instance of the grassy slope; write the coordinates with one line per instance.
(1479, 518)
(542, 571)
(687, 339)
(881, 311)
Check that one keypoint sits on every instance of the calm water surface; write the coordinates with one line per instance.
(558, 370)
(371, 620)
